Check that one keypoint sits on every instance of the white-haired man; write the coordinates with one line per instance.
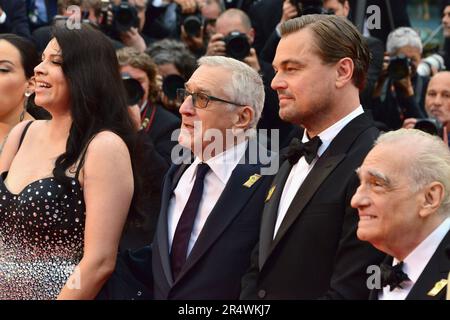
(404, 207)
(211, 209)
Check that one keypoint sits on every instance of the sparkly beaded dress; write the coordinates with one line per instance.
(41, 237)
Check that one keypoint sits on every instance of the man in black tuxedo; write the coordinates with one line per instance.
(211, 209)
(308, 247)
(13, 18)
(404, 210)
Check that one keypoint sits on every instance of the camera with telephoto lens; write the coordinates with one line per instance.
(124, 15)
(425, 66)
(399, 67)
(430, 125)
(192, 23)
(237, 45)
(134, 90)
(305, 7)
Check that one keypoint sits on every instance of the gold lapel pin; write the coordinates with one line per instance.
(269, 194)
(438, 286)
(251, 181)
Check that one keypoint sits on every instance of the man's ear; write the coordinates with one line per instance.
(432, 200)
(245, 116)
(251, 36)
(344, 72)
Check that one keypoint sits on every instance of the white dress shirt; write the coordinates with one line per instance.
(221, 168)
(301, 169)
(415, 263)
(3, 17)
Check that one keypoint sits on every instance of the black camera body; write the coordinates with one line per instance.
(124, 17)
(431, 126)
(399, 67)
(192, 23)
(237, 45)
(134, 90)
(305, 7)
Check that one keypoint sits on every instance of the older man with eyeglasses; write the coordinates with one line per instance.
(211, 208)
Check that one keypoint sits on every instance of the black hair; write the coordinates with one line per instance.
(97, 94)
(28, 53)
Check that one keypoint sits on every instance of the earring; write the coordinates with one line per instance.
(27, 94)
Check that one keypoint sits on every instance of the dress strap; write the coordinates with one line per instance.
(24, 132)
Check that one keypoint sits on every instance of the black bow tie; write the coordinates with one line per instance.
(297, 149)
(393, 275)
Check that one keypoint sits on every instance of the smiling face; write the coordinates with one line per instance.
(13, 82)
(52, 90)
(388, 207)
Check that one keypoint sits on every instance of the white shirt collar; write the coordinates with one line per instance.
(416, 261)
(330, 133)
(224, 163)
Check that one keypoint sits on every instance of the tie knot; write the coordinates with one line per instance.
(297, 149)
(202, 170)
(393, 276)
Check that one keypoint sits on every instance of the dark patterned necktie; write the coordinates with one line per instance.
(183, 231)
(393, 276)
(297, 149)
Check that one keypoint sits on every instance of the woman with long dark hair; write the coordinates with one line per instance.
(67, 183)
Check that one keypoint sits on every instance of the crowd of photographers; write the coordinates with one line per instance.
(177, 32)
(159, 42)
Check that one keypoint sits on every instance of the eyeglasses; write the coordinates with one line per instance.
(200, 100)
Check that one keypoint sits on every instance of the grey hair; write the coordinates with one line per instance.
(246, 86)
(231, 13)
(401, 37)
(430, 163)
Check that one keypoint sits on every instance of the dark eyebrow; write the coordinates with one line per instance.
(289, 61)
(52, 55)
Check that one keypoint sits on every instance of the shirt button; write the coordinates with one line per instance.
(261, 294)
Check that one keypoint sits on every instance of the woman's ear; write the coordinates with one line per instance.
(31, 86)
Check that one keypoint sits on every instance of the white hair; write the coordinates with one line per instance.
(430, 162)
(402, 37)
(246, 86)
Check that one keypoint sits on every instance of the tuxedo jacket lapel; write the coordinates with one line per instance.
(173, 176)
(437, 269)
(269, 215)
(323, 167)
(234, 197)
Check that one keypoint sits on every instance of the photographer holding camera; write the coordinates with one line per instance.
(233, 38)
(400, 91)
(437, 106)
(124, 20)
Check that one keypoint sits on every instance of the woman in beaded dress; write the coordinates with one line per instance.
(67, 183)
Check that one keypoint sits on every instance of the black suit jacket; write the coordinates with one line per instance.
(316, 252)
(16, 18)
(437, 269)
(160, 131)
(265, 15)
(221, 254)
